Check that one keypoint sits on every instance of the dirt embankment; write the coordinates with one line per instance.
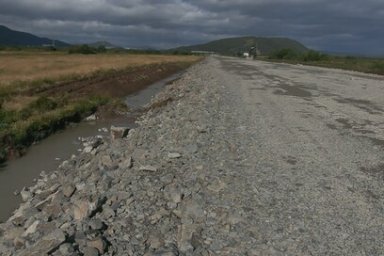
(115, 83)
(52, 107)
(234, 160)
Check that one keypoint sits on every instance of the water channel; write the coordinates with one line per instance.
(49, 153)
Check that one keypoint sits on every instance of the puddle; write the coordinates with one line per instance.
(49, 153)
(137, 100)
(292, 91)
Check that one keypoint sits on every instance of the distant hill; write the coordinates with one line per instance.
(234, 46)
(9, 37)
(106, 44)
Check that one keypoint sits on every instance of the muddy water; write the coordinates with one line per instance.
(49, 153)
(139, 99)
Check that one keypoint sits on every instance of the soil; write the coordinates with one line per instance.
(116, 83)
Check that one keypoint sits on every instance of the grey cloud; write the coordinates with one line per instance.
(345, 25)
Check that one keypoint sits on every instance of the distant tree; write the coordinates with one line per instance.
(82, 49)
(314, 56)
(101, 49)
(286, 53)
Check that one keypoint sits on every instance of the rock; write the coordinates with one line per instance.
(31, 229)
(148, 168)
(191, 148)
(25, 194)
(217, 185)
(68, 190)
(193, 209)
(184, 238)
(81, 210)
(88, 149)
(46, 245)
(155, 241)
(97, 142)
(174, 155)
(96, 224)
(90, 251)
(19, 221)
(69, 229)
(18, 243)
(108, 212)
(127, 163)
(103, 130)
(66, 249)
(11, 234)
(98, 243)
(118, 132)
(173, 194)
(53, 210)
(91, 118)
(106, 161)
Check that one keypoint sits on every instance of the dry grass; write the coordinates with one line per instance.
(18, 102)
(26, 66)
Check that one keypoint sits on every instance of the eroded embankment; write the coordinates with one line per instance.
(127, 197)
(50, 108)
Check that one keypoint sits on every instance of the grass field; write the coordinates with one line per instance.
(313, 58)
(30, 66)
(41, 92)
(366, 65)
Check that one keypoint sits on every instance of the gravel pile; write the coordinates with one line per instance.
(146, 194)
(218, 165)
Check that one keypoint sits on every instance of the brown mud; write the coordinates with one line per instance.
(117, 83)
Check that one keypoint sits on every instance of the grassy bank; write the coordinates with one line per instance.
(41, 93)
(313, 58)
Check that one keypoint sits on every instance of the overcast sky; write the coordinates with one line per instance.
(352, 26)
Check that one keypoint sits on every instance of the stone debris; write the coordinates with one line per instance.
(147, 191)
(174, 155)
(118, 132)
(148, 168)
(175, 185)
(92, 117)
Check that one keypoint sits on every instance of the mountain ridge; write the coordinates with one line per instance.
(239, 45)
(10, 37)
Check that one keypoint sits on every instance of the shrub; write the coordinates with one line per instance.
(378, 67)
(286, 54)
(82, 49)
(43, 104)
(101, 49)
(314, 56)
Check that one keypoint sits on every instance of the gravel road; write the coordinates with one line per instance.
(235, 158)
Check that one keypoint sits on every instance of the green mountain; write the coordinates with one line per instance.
(9, 37)
(239, 45)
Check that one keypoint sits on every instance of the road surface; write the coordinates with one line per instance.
(310, 143)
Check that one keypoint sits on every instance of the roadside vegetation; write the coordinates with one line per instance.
(314, 58)
(42, 91)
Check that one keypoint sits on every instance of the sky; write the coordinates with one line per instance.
(340, 26)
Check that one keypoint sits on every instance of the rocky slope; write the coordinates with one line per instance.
(235, 158)
(141, 195)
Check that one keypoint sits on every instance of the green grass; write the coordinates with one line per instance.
(19, 129)
(33, 108)
(313, 58)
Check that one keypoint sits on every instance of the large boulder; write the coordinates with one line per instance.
(118, 132)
